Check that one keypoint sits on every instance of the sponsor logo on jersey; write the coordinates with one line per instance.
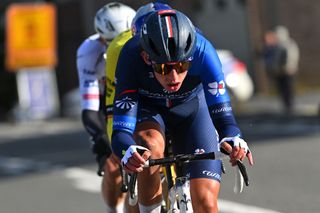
(222, 109)
(217, 88)
(125, 103)
(89, 72)
(164, 94)
(126, 123)
(90, 83)
(110, 83)
(212, 174)
(123, 124)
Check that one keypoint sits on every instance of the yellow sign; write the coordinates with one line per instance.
(30, 35)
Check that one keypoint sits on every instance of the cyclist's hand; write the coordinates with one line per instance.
(237, 149)
(135, 158)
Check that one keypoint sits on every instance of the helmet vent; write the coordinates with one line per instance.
(172, 47)
(99, 30)
(188, 43)
(114, 4)
(153, 47)
(109, 26)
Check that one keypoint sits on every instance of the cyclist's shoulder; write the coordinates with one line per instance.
(133, 44)
(121, 39)
(204, 52)
(91, 45)
(203, 44)
(131, 49)
(130, 62)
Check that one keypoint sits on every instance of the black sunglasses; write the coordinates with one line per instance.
(165, 69)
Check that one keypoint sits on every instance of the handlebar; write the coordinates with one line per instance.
(185, 158)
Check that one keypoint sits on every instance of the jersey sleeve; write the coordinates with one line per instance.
(215, 90)
(125, 103)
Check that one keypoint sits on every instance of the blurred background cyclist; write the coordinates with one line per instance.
(109, 21)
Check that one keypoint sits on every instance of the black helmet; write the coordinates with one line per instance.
(168, 36)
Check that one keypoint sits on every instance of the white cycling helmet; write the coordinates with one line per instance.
(113, 19)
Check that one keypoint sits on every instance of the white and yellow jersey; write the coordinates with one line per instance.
(113, 53)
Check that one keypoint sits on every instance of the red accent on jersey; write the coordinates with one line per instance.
(128, 91)
(90, 96)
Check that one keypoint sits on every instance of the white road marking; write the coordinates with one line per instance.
(84, 179)
(15, 166)
(36, 129)
(88, 181)
(233, 207)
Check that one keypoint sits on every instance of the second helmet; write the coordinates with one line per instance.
(113, 19)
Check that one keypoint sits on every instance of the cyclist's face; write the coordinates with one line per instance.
(173, 80)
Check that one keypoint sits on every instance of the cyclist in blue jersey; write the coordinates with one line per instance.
(169, 78)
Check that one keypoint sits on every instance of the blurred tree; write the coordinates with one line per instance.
(256, 36)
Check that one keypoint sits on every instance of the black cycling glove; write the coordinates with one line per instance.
(95, 125)
(101, 148)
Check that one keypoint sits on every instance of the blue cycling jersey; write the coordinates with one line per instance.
(135, 82)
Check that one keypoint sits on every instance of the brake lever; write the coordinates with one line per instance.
(243, 171)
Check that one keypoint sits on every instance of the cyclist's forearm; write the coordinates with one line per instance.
(224, 120)
(227, 127)
(93, 122)
(121, 141)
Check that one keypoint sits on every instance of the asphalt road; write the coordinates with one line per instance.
(48, 168)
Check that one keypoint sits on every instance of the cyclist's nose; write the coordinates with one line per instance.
(173, 73)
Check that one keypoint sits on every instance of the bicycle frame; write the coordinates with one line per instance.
(179, 193)
(179, 196)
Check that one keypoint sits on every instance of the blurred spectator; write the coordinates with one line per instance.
(281, 56)
(291, 66)
(292, 48)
